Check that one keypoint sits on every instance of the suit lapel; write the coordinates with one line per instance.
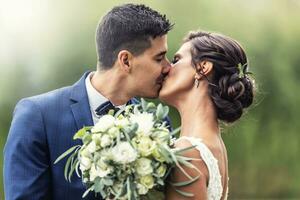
(80, 105)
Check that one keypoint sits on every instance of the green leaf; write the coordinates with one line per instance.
(87, 191)
(178, 165)
(188, 164)
(186, 194)
(151, 105)
(73, 167)
(67, 167)
(65, 153)
(177, 151)
(159, 112)
(77, 168)
(107, 181)
(185, 183)
(79, 134)
(144, 104)
(165, 112)
(136, 110)
(175, 131)
(98, 185)
(86, 138)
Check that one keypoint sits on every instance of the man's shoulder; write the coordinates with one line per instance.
(49, 98)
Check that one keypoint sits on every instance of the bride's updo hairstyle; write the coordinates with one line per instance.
(230, 85)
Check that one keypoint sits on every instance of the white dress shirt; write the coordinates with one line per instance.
(95, 98)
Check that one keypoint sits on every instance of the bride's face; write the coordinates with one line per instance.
(181, 76)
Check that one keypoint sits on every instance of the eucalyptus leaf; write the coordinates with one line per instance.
(177, 151)
(185, 183)
(165, 112)
(87, 191)
(175, 131)
(66, 153)
(159, 112)
(186, 194)
(144, 104)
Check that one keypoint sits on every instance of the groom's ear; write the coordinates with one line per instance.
(124, 60)
(205, 67)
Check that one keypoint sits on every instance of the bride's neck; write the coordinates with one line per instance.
(198, 116)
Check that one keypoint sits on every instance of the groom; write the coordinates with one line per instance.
(131, 44)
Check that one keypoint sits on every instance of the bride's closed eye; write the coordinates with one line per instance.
(175, 59)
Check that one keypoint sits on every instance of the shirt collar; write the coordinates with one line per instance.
(95, 97)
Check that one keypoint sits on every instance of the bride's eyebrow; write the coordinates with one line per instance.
(177, 55)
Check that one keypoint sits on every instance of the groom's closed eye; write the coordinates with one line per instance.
(160, 57)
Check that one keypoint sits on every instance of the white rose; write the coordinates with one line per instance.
(143, 166)
(113, 132)
(124, 153)
(105, 140)
(158, 155)
(91, 147)
(98, 172)
(122, 121)
(146, 145)
(144, 121)
(106, 154)
(161, 170)
(85, 153)
(85, 163)
(96, 137)
(141, 189)
(162, 135)
(104, 123)
(147, 181)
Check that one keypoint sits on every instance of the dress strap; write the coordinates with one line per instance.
(214, 189)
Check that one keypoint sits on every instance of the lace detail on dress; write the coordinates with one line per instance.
(214, 189)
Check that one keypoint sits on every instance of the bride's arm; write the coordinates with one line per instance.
(198, 188)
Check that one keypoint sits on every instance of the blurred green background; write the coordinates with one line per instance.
(49, 44)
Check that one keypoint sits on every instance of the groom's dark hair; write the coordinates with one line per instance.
(129, 27)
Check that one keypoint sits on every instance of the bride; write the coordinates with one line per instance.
(208, 83)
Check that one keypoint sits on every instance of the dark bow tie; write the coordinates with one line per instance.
(105, 107)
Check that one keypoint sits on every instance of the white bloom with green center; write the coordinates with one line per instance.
(161, 170)
(104, 123)
(147, 181)
(162, 136)
(145, 122)
(158, 155)
(146, 145)
(124, 153)
(143, 166)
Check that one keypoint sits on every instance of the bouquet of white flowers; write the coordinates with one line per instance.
(128, 154)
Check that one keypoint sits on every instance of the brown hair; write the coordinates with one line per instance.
(231, 87)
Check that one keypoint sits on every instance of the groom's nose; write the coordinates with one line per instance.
(166, 67)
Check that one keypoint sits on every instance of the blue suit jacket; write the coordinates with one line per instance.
(42, 129)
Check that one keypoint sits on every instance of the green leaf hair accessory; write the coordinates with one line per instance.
(242, 70)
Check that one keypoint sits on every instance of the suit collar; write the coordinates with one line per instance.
(80, 106)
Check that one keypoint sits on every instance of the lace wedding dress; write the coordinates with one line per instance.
(214, 189)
